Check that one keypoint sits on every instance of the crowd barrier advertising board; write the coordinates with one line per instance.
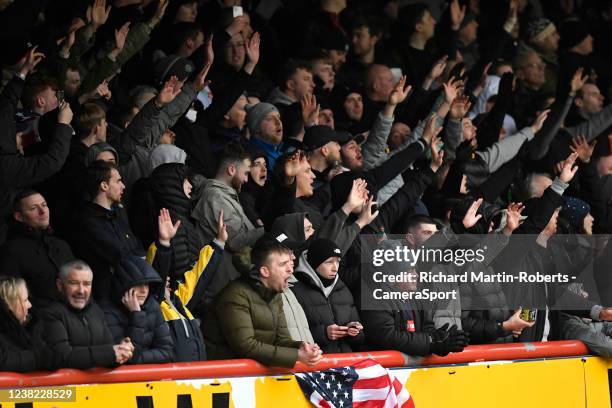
(554, 374)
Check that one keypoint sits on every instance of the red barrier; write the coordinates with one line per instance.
(244, 367)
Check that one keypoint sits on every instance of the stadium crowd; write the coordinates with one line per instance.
(186, 180)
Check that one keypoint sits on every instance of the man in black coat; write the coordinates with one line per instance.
(75, 328)
(407, 328)
(33, 252)
(17, 171)
(102, 234)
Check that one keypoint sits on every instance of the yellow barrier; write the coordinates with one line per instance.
(544, 381)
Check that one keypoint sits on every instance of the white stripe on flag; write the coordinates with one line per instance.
(370, 394)
(371, 372)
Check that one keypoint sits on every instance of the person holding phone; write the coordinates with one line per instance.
(328, 303)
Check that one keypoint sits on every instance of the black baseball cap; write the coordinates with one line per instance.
(319, 135)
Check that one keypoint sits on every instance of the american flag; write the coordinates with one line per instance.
(366, 384)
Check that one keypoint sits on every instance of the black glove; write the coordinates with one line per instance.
(445, 340)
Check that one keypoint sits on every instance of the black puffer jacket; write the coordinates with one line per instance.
(164, 189)
(101, 237)
(401, 327)
(78, 338)
(146, 328)
(35, 256)
(322, 310)
(21, 347)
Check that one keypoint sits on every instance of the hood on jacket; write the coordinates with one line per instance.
(291, 225)
(289, 230)
(278, 97)
(166, 153)
(133, 271)
(310, 274)
(166, 184)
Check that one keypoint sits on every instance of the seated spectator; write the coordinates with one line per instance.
(22, 348)
(75, 328)
(33, 252)
(248, 320)
(327, 301)
(102, 234)
(221, 193)
(133, 311)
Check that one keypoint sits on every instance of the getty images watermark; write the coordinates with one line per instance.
(476, 270)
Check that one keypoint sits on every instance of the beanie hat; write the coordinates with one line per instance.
(572, 34)
(97, 148)
(539, 29)
(171, 65)
(256, 114)
(320, 250)
(574, 210)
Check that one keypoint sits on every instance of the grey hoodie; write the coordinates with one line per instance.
(278, 97)
(214, 197)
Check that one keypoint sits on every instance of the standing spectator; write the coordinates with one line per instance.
(221, 194)
(17, 171)
(101, 233)
(543, 38)
(33, 252)
(248, 320)
(266, 130)
(327, 301)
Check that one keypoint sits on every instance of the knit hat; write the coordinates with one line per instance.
(320, 250)
(256, 114)
(172, 65)
(574, 210)
(97, 148)
(539, 29)
(572, 34)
